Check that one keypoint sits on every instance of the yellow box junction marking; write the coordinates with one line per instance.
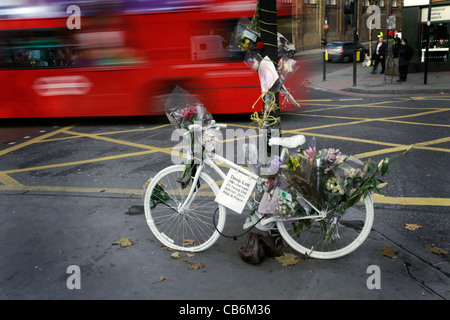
(8, 183)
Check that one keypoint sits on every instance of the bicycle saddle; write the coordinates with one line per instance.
(288, 142)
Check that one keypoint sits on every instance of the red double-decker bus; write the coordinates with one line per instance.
(121, 58)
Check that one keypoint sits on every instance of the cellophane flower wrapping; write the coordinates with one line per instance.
(327, 178)
(246, 34)
(253, 60)
(184, 109)
(299, 170)
(287, 67)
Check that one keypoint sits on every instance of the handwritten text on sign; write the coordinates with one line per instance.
(235, 191)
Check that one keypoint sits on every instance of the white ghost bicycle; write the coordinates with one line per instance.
(189, 219)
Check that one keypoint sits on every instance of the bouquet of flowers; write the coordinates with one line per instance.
(278, 76)
(328, 180)
(248, 32)
(287, 67)
(184, 109)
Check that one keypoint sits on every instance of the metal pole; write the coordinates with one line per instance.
(268, 16)
(425, 77)
(355, 41)
(324, 66)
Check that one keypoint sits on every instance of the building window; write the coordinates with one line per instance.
(330, 2)
(439, 42)
(310, 1)
(367, 3)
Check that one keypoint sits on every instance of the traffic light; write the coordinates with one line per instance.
(348, 12)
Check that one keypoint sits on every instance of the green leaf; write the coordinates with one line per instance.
(384, 168)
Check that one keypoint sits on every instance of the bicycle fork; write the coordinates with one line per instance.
(193, 190)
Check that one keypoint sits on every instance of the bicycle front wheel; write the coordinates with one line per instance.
(179, 225)
(324, 240)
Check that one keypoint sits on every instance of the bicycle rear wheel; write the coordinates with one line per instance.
(192, 228)
(353, 227)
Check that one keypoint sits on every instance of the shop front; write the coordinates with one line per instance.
(415, 25)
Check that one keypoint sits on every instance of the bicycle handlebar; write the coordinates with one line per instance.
(212, 125)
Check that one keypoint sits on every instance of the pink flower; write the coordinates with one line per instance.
(311, 154)
(188, 113)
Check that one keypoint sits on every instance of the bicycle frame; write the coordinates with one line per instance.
(191, 217)
(211, 158)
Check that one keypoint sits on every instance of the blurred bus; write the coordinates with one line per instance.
(124, 59)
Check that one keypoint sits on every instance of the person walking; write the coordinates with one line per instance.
(379, 55)
(405, 54)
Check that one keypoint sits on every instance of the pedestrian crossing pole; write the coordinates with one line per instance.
(268, 30)
(355, 38)
(425, 76)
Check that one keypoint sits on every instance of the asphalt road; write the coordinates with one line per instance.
(69, 192)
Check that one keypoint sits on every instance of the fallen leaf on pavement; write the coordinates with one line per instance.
(123, 242)
(192, 265)
(195, 265)
(412, 226)
(162, 278)
(188, 242)
(436, 250)
(167, 248)
(287, 259)
(176, 255)
(388, 252)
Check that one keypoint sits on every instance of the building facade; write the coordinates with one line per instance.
(415, 29)
(314, 20)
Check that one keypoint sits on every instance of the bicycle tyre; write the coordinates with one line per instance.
(309, 242)
(193, 229)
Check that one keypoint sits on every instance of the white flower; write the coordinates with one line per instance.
(210, 140)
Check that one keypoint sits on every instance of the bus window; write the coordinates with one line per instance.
(37, 48)
(214, 41)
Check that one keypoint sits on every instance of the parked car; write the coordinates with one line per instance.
(343, 51)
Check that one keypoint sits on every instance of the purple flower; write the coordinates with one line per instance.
(275, 163)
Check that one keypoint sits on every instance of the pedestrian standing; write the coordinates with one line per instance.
(396, 44)
(379, 55)
(405, 54)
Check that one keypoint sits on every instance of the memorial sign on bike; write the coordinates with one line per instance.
(235, 191)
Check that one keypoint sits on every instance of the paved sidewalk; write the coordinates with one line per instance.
(366, 82)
